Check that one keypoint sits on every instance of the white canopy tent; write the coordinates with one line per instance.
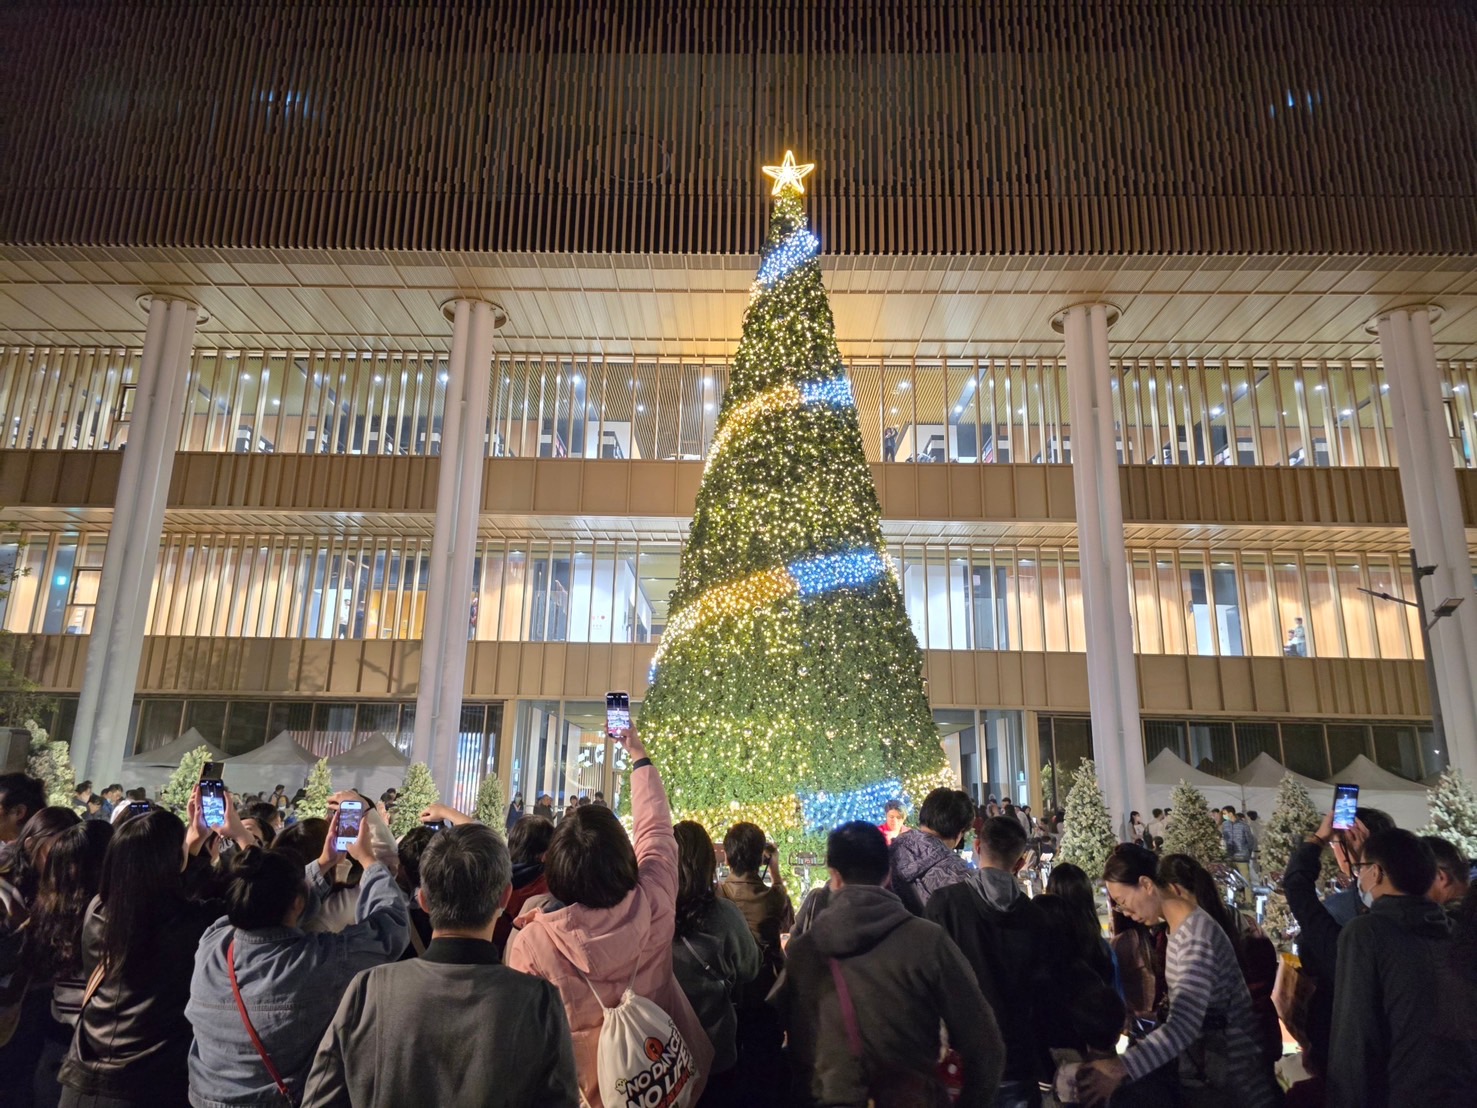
(280, 762)
(1167, 770)
(1260, 778)
(1407, 802)
(371, 767)
(168, 756)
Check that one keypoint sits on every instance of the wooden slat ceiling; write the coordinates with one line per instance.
(692, 306)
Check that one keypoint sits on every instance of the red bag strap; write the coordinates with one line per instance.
(256, 1040)
(848, 1013)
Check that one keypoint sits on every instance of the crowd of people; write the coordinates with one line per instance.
(149, 959)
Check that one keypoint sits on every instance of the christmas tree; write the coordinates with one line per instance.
(1048, 786)
(417, 794)
(1193, 830)
(787, 689)
(51, 763)
(176, 792)
(492, 809)
(1294, 817)
(314, 804)
(1088, 838)
(1454, 812)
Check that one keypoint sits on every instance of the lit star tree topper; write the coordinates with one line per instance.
(788, 687)
(788, 175)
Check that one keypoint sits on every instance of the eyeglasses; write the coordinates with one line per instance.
(1355, 867)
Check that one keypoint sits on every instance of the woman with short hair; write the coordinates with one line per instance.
(615, 931)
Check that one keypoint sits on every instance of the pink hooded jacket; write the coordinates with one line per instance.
(606, 945)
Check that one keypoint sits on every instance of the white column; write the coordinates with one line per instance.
(445, 629)
(117, 642)
(1433, 510)
(1112, 676)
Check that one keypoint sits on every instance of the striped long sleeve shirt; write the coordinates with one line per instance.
(1206, 989)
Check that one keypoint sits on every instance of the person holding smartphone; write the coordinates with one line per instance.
(615, 930)
(264, 990)
(1321, 921)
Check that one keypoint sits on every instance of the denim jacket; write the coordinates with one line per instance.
(291, 982)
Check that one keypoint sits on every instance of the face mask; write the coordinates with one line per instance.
(1366, 897)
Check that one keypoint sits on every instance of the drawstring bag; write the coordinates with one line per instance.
(642, 1060)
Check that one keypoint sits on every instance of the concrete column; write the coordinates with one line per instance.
(447, 624)
(116, 647)
(1433, 510)
(1112, 676)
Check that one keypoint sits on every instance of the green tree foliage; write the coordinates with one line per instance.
(51, 762)
(1088, 838)
(314, 804)
(1193, 830)
(788, 687)
(1454, 812)
(417, 794)
(1048, 787)
(176, 792)
(492, 807)
(1294, 817)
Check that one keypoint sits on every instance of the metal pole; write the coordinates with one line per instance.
(1438, 726)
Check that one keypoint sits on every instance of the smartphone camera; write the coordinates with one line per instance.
(1345, 807)
(350, 816)
(213, 795)
(617, 715)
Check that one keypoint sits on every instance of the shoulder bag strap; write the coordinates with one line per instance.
(702, 961)
(94, 982)
(250, 1030)
(848, 1013)
(416, 940)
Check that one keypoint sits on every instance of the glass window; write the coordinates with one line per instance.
(1397, 749)
(1072, 738)
(1302, 743)
(207, 718)
(246, 726)
(1161, 735)
(158, 724)
(1346, 741)
(333, 728)
(1212, 748)
(1253, 739)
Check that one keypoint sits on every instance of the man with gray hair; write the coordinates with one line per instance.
(455, 1026)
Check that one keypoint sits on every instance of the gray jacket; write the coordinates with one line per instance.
(905, 977)
(291, 982)
(921, 866)
(453, 1029)
(710, 963)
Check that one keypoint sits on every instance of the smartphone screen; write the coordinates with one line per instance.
(350, 816)
(1345, 806)
(617, 714)
(213, 802)
(139, 808)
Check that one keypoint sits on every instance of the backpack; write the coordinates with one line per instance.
(641, 1058)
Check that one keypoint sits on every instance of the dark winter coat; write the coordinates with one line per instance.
(904, 976)
(922, 864)
(1394, 1038)
(1008, 943)
(1317, 944)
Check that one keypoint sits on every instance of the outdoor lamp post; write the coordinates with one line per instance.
(1441, 611)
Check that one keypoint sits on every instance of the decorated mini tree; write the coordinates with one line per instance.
(1193, 830)
(314, 804)
(1294, 816)
(1048, 786)
(788, 688)
(176, 792)
(1088, 838)
(1454, 812)
(51, 762)
(491, 806)
(417, 794)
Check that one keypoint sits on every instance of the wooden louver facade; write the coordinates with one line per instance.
(989, 126)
